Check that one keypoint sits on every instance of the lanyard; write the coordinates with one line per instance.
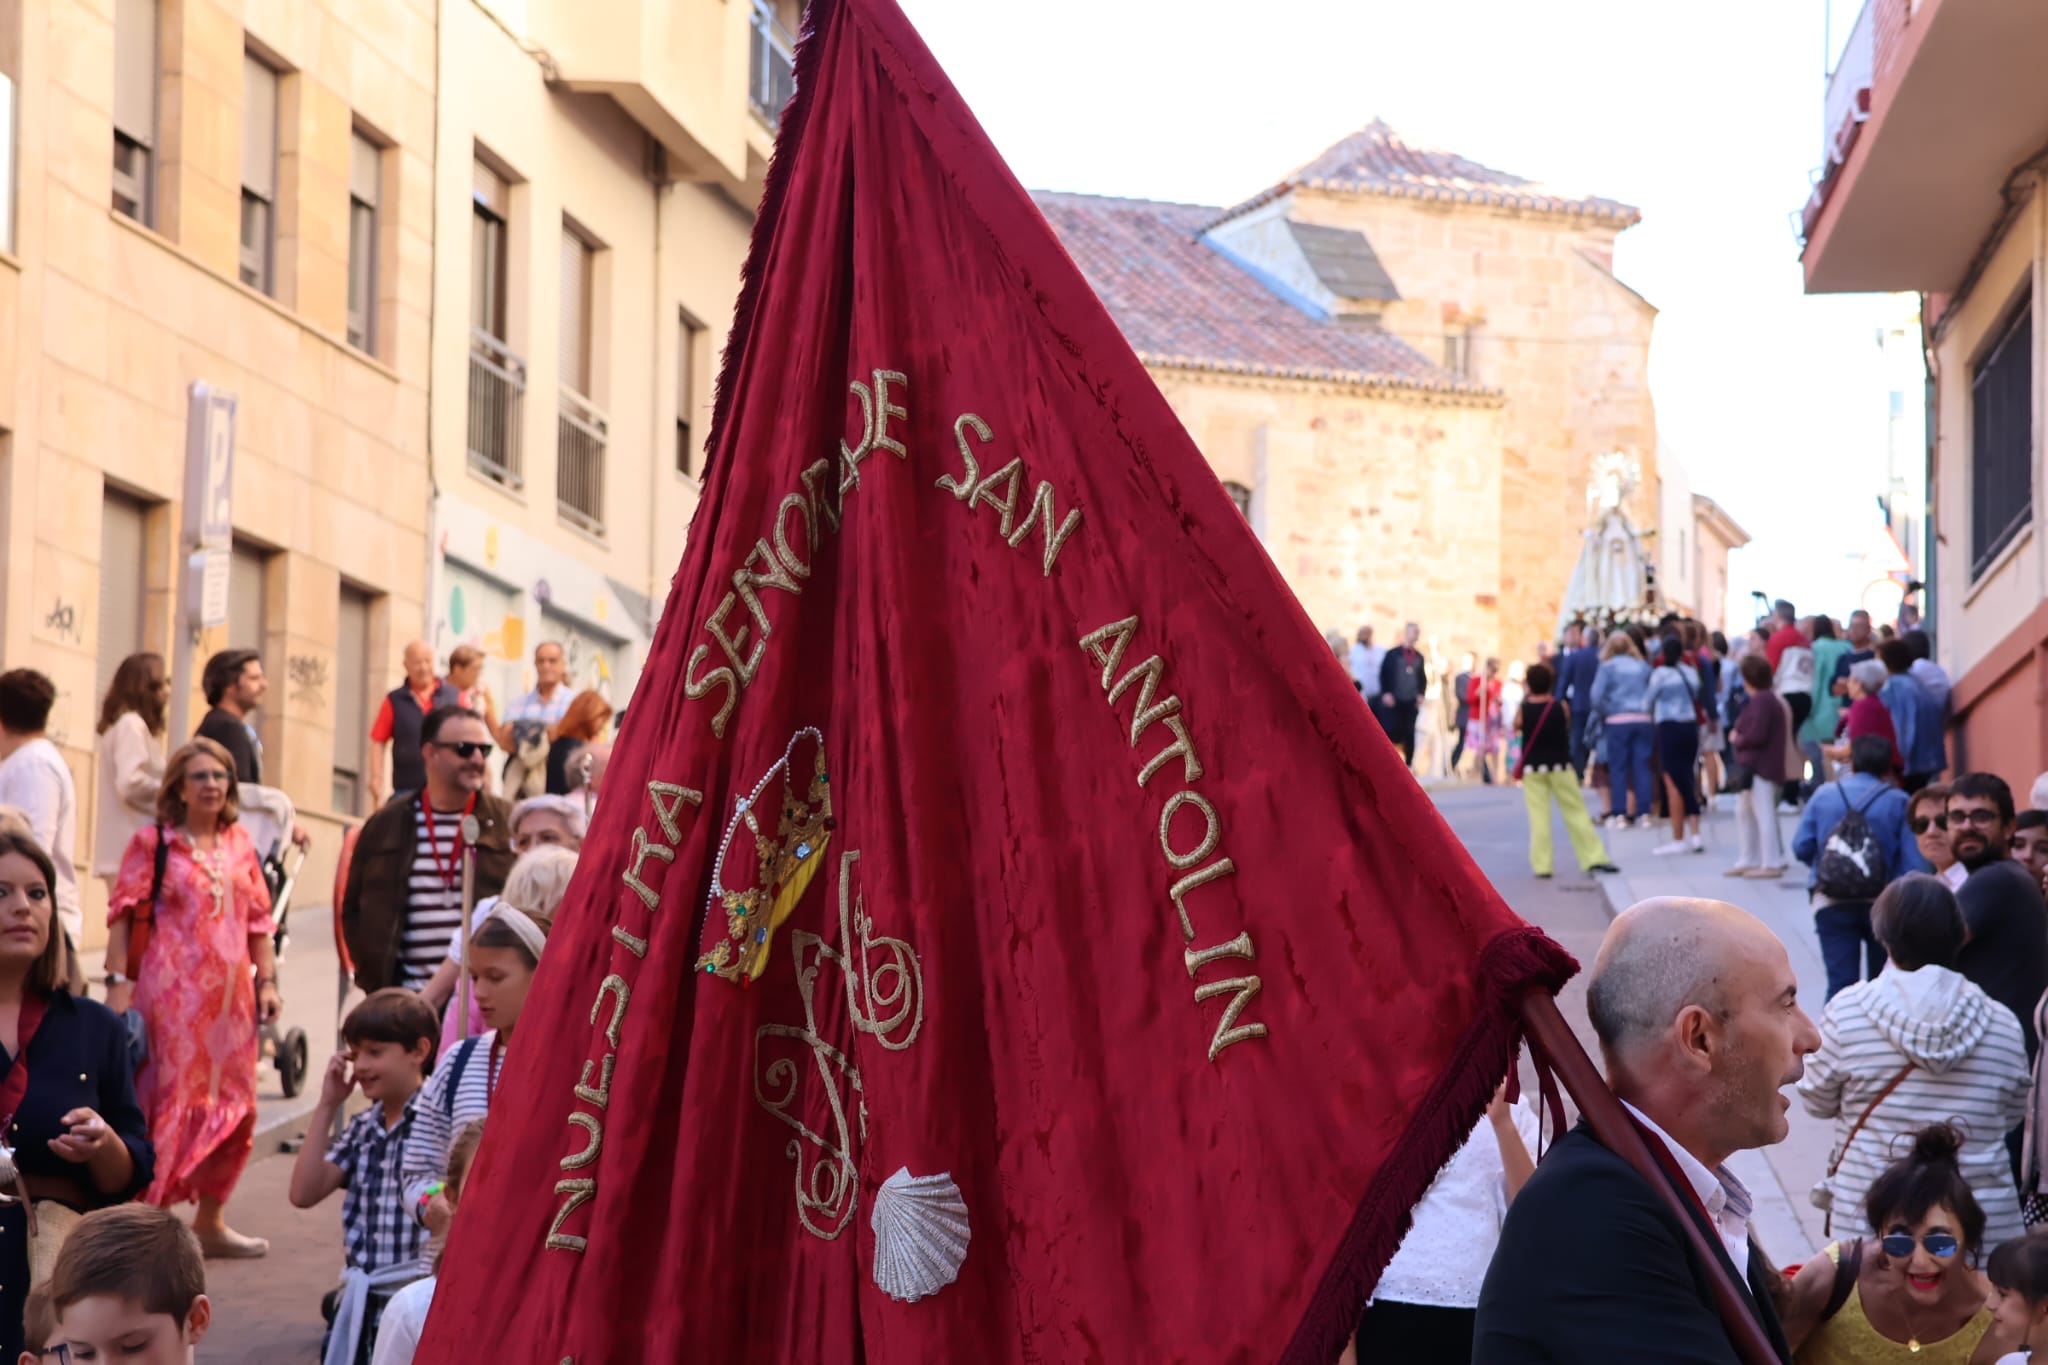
(491, 1064)
(454, 864)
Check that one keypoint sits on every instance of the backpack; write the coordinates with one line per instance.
(1851, 866)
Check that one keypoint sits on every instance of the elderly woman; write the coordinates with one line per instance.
(1866, 713)
(1911, 1291)
(1920, 1044)
(1620, 699)
(78, 1135)
(193, 888)
(537, 882)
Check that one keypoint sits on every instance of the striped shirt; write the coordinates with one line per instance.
(377, 1230)
(434, 895)
(457, 1093)
(1969, 1069)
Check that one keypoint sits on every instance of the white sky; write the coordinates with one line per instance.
(1707, 118)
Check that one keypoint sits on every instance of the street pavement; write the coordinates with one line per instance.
(1495, 828)
(269, 1311)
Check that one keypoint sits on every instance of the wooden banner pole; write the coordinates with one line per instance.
(1559, 1048)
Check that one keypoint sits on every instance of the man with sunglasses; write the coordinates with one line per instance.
(2008, 949)
(403, 903)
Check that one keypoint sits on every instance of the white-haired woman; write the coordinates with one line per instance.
(537, 883)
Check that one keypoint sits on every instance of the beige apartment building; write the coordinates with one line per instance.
(1404, 363)
(1931, 182)
(462, 267)
(592, 218)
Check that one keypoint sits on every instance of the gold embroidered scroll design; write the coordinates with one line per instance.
(883, 985)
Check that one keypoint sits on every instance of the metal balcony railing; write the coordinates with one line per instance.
(1848, 97)
(772, 68)
(580, 434)
(497, 382)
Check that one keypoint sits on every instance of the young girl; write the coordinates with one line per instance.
(405, 1317)
(502, 958)
(2019, 1296)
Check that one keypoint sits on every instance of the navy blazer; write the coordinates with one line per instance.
(1593, 1266)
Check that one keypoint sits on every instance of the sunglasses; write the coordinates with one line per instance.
(1921, 823)
(1899, 1245)
(468, 748)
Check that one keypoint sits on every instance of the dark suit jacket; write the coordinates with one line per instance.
(1593, 1269)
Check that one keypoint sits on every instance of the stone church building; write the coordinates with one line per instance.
(1402, 363)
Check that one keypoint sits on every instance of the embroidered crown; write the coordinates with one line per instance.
(740, 923)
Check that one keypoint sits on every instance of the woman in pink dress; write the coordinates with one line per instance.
(194, 987)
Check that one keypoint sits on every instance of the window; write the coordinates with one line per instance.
(581, 429)
(259, 173)
(124, 536)
(1458, 352)
(364, 168)
(578, 260)
(351, 699)
(497, 374)
(2002, 438)
(135, 39)
(489, 198)
(689, 337)
(1240, 495)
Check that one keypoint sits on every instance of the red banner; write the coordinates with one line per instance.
(1004, 935)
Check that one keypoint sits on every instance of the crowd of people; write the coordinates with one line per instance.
(1929, 897)
(162, 1112)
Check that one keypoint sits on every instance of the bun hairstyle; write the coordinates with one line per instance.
(2020, 1267)
(1928, 1177)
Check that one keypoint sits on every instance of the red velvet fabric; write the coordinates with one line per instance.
(1141, 1182)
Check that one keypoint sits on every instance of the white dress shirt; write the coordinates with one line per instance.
(1443, 1259)
(1956, 875)
(1727, 1200)
(36, 782)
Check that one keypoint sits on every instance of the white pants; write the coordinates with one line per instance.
(1756, 825)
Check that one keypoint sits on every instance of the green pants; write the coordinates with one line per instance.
(1539, 789)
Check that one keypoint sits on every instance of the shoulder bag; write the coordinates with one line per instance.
(1823, 1195)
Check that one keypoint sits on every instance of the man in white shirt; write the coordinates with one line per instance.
(1366, 658)
(35, 780)
(1928, 673)
(1697, 1009)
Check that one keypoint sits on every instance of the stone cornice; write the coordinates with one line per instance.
(1306, 379)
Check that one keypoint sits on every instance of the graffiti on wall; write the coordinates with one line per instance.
(307, 675)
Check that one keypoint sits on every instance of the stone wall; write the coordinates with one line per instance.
(1376, 505)
(1566, 342)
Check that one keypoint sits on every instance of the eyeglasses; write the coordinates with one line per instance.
(1982, 818)
(1921, 823)
(1899, 1245)
(467, 748)
(208, 776)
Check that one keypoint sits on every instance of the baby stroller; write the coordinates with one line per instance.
(268, 816)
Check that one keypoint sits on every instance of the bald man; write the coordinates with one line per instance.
(396, 731)
(1697, 1011)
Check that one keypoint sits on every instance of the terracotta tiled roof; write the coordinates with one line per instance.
(1378, 160)
(1179, 301)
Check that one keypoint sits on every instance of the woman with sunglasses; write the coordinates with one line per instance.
(1920, 1044)
(208, 922)
(1911, 1291)
(1927, 817)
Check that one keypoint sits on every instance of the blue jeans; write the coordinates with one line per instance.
(1848, 947)
(1581, 752)
(1629, 789)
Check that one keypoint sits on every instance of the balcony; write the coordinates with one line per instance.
(771, 65)
(580, 433)
(497, 383)
(1932, 108)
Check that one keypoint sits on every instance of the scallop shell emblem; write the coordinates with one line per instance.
(920, 1224)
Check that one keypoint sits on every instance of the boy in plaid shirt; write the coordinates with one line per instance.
(391, 1038)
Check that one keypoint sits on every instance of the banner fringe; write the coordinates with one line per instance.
(1508, 966)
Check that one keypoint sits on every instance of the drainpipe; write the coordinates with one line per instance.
(433, 341)
(657, 175)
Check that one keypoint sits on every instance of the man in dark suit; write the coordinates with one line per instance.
(1575, 673)
(1697, 1010)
